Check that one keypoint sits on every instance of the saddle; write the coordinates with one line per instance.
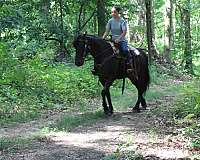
(132, 50)
(129, 59)
(129, 66)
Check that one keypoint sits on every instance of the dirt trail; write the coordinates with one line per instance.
(143, 132)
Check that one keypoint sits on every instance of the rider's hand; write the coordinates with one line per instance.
(117, 41)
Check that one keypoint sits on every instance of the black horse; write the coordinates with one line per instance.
(110, 66)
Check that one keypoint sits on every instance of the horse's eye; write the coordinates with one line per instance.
(75, 44)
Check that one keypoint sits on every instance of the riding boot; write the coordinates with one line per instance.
(94, 71)
(129, 64)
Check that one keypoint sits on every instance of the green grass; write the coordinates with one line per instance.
(12, 144)
(21, 142)
(124, 152)
(131, 155)
(19, 118)
(68, 122)
(123, 102)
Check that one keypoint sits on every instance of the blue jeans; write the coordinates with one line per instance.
(123, 48)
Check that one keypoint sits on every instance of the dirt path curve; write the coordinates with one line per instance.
(142, 132)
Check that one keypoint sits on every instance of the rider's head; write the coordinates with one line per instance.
(116, 11)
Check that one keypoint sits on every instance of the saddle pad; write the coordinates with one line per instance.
(134, 50)
(116, 50)
(130, 48)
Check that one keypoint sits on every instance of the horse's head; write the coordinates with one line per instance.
(80, 44)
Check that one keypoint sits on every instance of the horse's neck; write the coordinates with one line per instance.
(100, 53)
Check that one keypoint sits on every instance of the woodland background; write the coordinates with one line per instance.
(37, 57)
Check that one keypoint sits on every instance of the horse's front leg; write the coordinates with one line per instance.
(136, 108)
(104, 104)
(103, 94)
(110, 109)
(106, 93)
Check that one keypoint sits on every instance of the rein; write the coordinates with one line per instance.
(106, 49)
(101, 52)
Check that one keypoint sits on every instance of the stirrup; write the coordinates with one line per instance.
(94, 72)
(129, 70)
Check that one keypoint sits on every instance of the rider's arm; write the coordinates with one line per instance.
(124, 30)
(105, 34)
(121, 36)
(107, 30)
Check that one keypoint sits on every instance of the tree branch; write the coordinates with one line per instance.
(79, 17)
(54, 39)
(87, 20)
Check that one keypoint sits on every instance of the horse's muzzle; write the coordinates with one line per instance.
(79, 63)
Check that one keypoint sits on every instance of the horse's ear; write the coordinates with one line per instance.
(84, 36)
(85, 33)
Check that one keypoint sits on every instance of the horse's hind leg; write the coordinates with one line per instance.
(136, 108)
(143, 102)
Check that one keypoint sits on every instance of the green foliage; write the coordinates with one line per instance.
(30, 86)
(123, 153)
(196, 143)
(189, 107)
(187, 111)
(128, 156)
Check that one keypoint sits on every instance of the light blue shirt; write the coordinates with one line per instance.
(116, 27)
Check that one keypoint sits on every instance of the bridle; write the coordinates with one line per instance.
(85, 53)
(87, 48)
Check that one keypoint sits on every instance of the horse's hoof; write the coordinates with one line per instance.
(111, 111)
(136, 110)
(144, 107)
(108, 112)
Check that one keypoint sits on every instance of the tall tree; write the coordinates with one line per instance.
(168, 33)
(188, 43)
(150, 29)
(101, 16)
(61, 22)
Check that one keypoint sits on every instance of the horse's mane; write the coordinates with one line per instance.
(99, 40)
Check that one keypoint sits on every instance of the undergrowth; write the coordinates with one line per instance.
(30, 87)
(187, 113)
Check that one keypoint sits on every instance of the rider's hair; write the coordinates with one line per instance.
(117, 8)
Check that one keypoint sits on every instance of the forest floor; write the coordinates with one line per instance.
(151, 133)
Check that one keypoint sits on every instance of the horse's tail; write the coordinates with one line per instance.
(147, 74)
(123, 85)
(144, 70)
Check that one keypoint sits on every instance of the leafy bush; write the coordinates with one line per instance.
(188, 110)
(189, 107)
(29, 86)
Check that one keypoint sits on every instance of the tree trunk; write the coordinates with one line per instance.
(150, 30)
(141, 20)
(61, 23)
(168, 33)
(45, 7)
(128, 29)
(101, 16)
(95, 24)
(188, 43)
